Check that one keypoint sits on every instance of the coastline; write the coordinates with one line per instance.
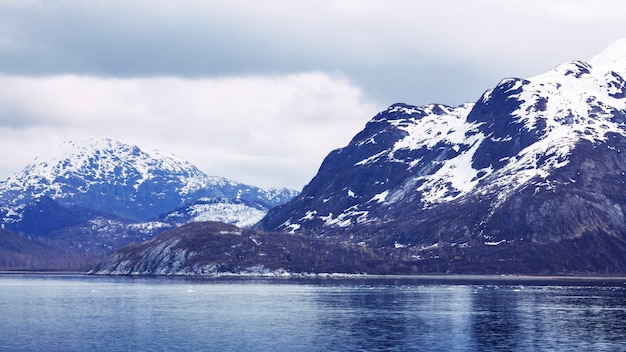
(430, 278)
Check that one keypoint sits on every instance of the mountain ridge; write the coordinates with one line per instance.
(448, 151)
(535, 165)
(97, 195)
(107, 175)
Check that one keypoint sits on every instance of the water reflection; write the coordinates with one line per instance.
(368, 318)
(578, 317)
(473, 318)
(389, 318)
(496, 324)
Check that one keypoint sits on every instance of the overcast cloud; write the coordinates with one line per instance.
(260, 91)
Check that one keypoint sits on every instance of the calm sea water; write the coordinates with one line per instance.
(87, 313)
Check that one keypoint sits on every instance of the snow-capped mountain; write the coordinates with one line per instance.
(538, 160)
(94, 196)
(121, 179)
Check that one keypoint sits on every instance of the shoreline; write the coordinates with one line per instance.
(470, 278)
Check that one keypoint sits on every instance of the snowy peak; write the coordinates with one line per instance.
(574, 101)
(96, 195)
(411, 158)
(103, 161)
(110, 176)
(574, 69)
(531, 126)
(571, 102)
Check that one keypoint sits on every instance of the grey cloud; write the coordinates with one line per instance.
(402, 54)
(273, 139)
(12, 120)
(416, 52)
(74, 39)
(195, 77)
(15, 117)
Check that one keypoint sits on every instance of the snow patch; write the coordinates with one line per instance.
(495, 243)
(380, 197)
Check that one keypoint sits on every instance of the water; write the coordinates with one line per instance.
(86, 313)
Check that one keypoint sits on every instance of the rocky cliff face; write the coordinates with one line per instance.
(217, 249)
(533, 171)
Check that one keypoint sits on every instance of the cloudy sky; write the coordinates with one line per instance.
(261, 91)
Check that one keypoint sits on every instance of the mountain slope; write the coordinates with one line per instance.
(213, 249)
(534, 164)
(20, 252)
(78, 231)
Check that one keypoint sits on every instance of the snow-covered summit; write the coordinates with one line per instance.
(414, 158)
(111, 176)
(106, 161)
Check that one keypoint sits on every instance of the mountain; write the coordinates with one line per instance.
(109, 176)
(529, 179)
(216, 249)
(94, 196)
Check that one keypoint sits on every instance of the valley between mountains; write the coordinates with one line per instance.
(529, 179)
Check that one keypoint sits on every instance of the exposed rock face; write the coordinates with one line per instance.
(213, 249)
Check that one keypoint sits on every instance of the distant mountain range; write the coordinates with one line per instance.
(97, 195)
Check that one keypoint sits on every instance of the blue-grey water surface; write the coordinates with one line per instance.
(90, 313)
